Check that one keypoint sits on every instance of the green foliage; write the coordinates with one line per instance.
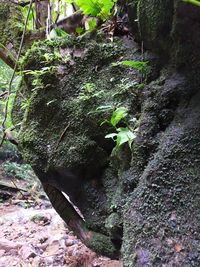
(118, 115)
(25, 103)
(37, 75)
(57, 33)
(96, 8)
(139, 65)
(88, 92)
(5, 75)
(194, 2)
(20, 171)
(31, 18)
(122, 134)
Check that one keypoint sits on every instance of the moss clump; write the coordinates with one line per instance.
(102, 245)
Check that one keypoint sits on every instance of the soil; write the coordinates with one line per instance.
(33, 235)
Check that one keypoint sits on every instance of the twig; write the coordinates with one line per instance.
(3, 94)
(58, 12)
(20, 191)
(14, 71)
(62, 135)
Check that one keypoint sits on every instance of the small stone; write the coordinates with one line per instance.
(2, 252)
(69, 242)
(27, 252)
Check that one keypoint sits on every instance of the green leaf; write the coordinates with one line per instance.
(139, 65)
(121, 138)
(89, 7)
(104, 108)
(112, 135)
(60, 32)
(118, 115)
(124, 135)
(79, 30)
(96, 8)
(194, 2)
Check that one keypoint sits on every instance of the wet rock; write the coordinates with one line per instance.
(52, 249)
(69, 242)
(28, 252)
(41, 219)
(2, 252)
(7, 245)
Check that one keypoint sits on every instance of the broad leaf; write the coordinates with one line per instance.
(117, 115)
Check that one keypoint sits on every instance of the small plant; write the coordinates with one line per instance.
(25, 103)
(21, 171)
(141, 66)
(57, 33)
(122, 134)
(88, 92)
(37, 76)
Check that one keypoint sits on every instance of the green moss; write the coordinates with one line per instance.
(155, 22)
(9, 25)
(102, 245)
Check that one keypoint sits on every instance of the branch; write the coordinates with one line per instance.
(24, 3)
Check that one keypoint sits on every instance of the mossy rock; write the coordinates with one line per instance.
(67, 84)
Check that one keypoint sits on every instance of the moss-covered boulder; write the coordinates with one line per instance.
(70, 87)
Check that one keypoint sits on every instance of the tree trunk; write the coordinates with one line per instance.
(42, 9)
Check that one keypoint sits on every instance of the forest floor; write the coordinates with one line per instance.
(33, 235)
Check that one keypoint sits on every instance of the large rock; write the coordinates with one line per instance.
(67, 85)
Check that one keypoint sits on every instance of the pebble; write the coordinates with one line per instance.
(27, 252)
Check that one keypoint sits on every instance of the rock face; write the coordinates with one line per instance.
(147, 199)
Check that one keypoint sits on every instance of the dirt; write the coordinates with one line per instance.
(37, 236)
(33, 235)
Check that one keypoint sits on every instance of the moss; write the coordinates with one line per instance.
(155, 22)
(9, 25)
(159, 205)
(102, 245)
